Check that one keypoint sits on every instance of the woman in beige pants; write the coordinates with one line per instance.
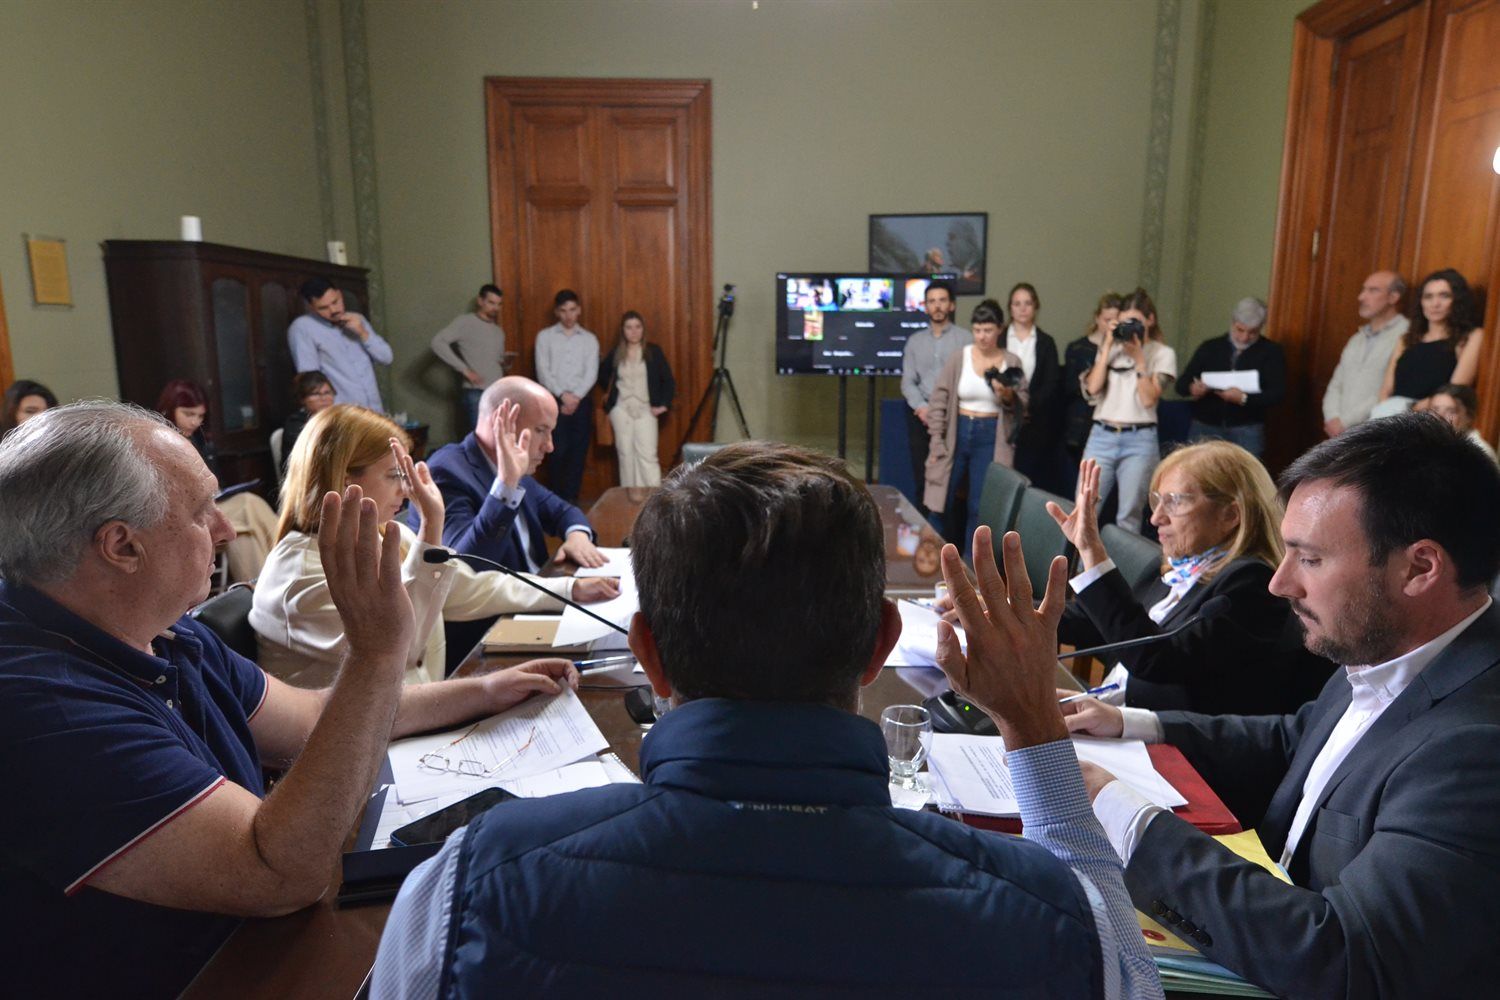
(638, 389)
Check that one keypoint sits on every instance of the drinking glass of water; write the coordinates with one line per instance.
(908, 737)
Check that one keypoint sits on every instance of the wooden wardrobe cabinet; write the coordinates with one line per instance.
(217, 315)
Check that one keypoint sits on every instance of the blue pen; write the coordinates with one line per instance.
(1090, 693)
(603, 660)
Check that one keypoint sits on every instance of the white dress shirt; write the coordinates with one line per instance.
(1124, 814)
(1023, 349)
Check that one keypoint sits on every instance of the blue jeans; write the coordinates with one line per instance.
(471, 404)
(1251, 437)
(1127, 458)
(973, 451)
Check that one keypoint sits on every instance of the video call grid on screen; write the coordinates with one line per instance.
(847, 324)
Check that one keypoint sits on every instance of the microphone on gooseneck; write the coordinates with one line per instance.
(444, 555)
(1214, 607)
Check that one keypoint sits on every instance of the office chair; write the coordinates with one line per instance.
(1041, 539)
(1138, 559)
(999, 502)
(228, 616)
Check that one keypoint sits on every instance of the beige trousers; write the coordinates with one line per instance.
(254, 524)
(635, 441)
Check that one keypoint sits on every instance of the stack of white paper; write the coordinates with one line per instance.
(571, 778)
(617, 564)
(538, 735)
(577, 628)
(971, 775)
(917, 646)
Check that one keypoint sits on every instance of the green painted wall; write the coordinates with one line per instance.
(823, 112)
(1241, 158)
(120, 117)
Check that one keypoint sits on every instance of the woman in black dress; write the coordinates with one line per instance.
(1442, 345)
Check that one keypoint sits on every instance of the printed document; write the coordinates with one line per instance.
(972, 770)
(538, 735)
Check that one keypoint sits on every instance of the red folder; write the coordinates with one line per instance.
(1204, 809)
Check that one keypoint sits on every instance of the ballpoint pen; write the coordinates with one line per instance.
(1090, 693)
(601, 661)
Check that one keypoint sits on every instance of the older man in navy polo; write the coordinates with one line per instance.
(136, 827)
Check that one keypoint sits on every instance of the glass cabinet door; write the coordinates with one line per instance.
(231, 307)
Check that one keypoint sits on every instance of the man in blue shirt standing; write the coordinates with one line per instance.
(342, 345)
(762, 854)
(136, 827)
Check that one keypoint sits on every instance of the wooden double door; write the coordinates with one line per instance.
(1393, 124)
(603, 186)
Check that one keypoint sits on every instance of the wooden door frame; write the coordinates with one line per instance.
(7, 363)
(500, 92)
(1303, 203)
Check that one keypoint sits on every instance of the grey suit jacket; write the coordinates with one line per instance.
(1397, 876)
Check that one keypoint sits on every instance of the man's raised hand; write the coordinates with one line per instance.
(364, 579)
(1011, 662)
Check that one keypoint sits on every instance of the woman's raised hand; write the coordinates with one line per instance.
(1081, 526)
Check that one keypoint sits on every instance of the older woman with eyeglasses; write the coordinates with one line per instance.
(1218, 517)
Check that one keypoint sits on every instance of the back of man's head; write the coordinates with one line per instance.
(314, 288)
(65, 473)
(1416, 478)
(760, 573)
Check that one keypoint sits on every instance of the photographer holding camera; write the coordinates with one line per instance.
(976, 409)
(1125, 384)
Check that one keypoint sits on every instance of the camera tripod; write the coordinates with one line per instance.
(722, 379)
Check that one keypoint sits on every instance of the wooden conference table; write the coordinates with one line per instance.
(325, 951)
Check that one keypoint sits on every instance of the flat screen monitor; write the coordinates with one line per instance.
(838, 323)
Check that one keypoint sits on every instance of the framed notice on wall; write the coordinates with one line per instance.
(49, 271)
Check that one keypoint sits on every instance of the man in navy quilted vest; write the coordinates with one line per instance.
(762, 855)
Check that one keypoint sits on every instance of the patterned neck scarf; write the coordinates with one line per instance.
(1186, 570)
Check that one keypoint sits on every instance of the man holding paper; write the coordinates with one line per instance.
(136, 826)
(1234, 379)
(1380, 797)
(762, 853)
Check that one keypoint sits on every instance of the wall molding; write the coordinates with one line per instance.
(1159, 141)
(323, 154)
(362, 151)
(1197, 144)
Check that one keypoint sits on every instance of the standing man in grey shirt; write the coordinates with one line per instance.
(474, 346)
(567, 364)
(925, 355)
(1354, 388)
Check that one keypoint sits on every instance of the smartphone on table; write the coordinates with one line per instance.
(435, 829)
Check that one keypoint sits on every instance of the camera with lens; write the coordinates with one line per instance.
(1011, 378)
(1130, 328)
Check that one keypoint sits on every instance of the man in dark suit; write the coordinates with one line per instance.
(496, 510)
(1380, 798)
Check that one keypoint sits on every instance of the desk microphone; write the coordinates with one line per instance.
(1214, 607)
(952, 714)
(444, 555)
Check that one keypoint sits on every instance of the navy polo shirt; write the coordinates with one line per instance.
(101, 745)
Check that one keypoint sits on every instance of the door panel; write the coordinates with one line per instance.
(602, 186)
(1393, 119)
(1371, 154)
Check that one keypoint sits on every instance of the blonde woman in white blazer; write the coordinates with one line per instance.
(301, 638)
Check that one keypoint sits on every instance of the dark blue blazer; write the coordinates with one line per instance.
(1397, 872)
(476, 523)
